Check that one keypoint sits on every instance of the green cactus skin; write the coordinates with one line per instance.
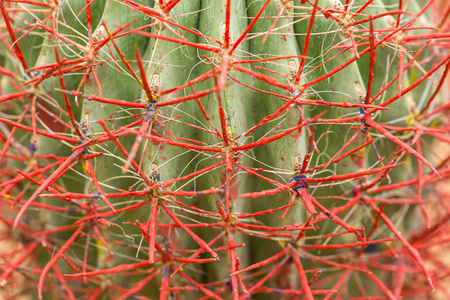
(220, 189)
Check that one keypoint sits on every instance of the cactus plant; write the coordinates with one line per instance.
(224, 149)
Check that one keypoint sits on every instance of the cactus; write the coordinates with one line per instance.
(223, 149)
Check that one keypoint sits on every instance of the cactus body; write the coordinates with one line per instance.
(223, 149)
